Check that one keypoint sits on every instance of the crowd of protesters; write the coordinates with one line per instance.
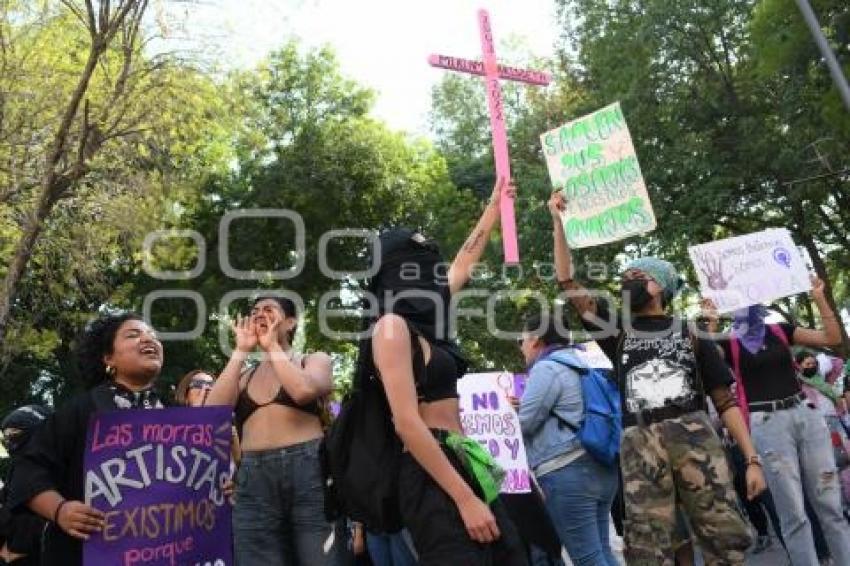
(723, 426)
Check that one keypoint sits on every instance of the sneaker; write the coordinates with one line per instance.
(762, 544)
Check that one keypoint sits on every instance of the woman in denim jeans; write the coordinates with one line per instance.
(790, 435)
(578, 489)
(278, 519)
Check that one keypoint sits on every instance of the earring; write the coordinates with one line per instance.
(110, 371)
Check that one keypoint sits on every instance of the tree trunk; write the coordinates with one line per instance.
(820, 269)
(23, 252)
(51, 188)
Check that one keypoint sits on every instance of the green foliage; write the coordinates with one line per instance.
(730, 106)
(727, 102)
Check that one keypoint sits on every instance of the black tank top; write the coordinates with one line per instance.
(441, 375)
(246, 406)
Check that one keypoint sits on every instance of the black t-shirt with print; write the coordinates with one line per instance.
(657, 365)
(768, 375)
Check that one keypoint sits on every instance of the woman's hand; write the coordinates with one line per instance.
(228, 489)
(755, 481)
(245, 332)
(479, 520)
(502, 185)
(514, 401)
(358, 540)
(268, 338)
(557, 204)
(79, 520)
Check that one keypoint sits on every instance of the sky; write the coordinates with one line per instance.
(382, 44)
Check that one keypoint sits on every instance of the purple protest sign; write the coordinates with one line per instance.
(157, 475)
(488, 417)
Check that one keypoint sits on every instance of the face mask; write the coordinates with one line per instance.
(809, 372)
(636, 293)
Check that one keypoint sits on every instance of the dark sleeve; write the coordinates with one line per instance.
(25, 533)
(713, 371)
(47, 458)
(606, 335)
(788, 329)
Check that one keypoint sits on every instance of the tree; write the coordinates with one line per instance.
(162, 126)
(724, 101)
(78, 130)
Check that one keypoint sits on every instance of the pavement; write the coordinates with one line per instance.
(774, 555)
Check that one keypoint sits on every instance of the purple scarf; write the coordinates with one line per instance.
(749, 327)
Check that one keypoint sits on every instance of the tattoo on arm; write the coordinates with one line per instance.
(473, 242)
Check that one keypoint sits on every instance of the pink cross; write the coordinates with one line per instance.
(492, 72)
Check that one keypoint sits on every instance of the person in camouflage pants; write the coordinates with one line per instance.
(669, 451)
(681, 458)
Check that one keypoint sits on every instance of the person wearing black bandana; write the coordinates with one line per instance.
(123, 356)
(670, 455)
(443, 503)
(20, 532)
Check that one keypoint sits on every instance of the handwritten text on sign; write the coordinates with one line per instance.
(745, 270)
(487, 416)
(157, 475)
(592, 160)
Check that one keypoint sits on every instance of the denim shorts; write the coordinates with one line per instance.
(279, 519)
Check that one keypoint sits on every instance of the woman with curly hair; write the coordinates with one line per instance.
(120, 353)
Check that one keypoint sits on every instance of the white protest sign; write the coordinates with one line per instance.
(488, 417)
(746, 270)
(593, 162)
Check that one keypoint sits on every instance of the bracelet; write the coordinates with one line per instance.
(58, 508)
(754, 460)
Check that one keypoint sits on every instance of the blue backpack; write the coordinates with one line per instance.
(600, 430)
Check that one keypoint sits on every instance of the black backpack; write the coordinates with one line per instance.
(361, 454)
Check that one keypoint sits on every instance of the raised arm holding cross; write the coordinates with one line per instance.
(492, 72)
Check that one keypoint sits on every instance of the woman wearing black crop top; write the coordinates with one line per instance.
(279, 516)
(441, 503)
(791, 437)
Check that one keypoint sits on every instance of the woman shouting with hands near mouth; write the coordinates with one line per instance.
(279, 516)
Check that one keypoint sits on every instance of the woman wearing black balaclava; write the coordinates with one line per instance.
(20, 532)
(442, 495)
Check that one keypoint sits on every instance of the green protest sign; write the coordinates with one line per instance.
(592, 160)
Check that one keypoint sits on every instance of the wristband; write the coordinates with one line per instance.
(58, 509)
(754, 460)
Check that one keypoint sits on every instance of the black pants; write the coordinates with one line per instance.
(435, 524)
